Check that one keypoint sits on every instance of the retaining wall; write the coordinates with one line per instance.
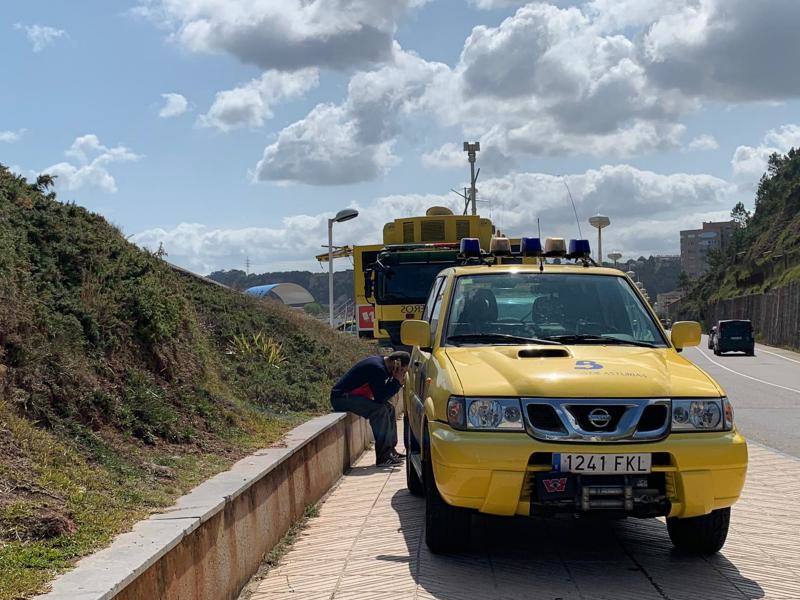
(209, 544)
(775, 314)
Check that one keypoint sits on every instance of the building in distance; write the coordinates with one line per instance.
(697, 243)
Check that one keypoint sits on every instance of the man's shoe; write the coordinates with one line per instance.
(388, 461)
(397, 454)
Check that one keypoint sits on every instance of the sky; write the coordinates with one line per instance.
(231, 130)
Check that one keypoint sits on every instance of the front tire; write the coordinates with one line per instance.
(446, 527)
(700, 535)
(413, 482)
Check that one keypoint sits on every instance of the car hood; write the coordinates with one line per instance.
(588, 371)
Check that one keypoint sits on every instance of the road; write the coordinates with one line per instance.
(764, 390)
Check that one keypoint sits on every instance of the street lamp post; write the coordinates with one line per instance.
(599, 222)
(343, 215)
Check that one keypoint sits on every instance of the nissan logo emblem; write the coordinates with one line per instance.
(599, 417)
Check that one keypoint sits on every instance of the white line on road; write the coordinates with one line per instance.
(761, 349)
(783, 387)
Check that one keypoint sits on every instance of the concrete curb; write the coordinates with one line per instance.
(214, 538)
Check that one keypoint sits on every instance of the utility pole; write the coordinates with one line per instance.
(472, 150)
(343, 215)
(247, 266)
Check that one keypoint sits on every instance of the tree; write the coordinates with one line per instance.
(683, 281)
(313, 308)
(741, 215)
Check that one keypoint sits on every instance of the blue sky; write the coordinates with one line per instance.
(292, 111)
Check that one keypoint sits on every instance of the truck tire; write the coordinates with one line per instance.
(413, 482)
(446, 527)
(700, 535)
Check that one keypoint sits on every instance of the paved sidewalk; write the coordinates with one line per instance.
(367, 544)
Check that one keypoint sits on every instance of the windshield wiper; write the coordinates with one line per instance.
(501, 338)
(598, 339)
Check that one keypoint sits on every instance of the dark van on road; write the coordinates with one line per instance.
(734, 336)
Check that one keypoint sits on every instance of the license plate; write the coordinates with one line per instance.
(738, 337)
(602, 463)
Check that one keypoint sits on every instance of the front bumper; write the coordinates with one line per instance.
(495, 473)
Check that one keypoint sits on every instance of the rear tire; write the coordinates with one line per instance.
(700, 535)
(413, 482)
(446, 527)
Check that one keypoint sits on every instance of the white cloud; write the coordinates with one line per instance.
(90, 167)
(490, 4)
(10, 137)
(251, 104)
(285, 34)
(704, 141)
(447, 156)
(647, 211)
(750, 162)
(41, 36)
(733, 50)
(352, 141)
(174, 105)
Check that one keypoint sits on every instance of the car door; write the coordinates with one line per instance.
(420, 358)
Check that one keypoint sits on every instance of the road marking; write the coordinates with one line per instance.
(783, 387)
(761, 349)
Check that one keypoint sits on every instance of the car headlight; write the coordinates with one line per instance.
(488, 414)
(702, 414)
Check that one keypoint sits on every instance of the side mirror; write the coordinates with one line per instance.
(685, 334)
(415, 333)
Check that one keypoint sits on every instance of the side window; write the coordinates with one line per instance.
(436, 310)
(426, 315)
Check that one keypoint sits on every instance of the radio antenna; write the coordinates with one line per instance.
(573, 208)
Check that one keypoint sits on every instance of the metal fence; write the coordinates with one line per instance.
(775, 314)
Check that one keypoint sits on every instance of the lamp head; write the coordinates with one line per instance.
(345, 215)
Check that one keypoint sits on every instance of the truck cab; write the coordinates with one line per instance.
(545, 389)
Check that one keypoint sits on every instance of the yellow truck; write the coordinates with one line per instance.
(414, 250)
(539, 389)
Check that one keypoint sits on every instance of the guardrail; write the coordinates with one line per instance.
(211, 542)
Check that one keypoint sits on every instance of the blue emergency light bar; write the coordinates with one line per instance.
(470, 247)
(530, 246)
(579, 249)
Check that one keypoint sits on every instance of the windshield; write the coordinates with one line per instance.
(549, 306)
(735, 328)
(407, 283)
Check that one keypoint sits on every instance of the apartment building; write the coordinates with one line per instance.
(696, 244)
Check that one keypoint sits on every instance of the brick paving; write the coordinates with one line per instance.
(367, 544)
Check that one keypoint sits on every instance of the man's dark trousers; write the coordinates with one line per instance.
(380, 415)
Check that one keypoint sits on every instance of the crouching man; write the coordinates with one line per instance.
(366, 390)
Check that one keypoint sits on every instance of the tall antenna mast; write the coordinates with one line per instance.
(472, 150)
(580, 235)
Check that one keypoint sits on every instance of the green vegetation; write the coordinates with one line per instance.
(124, 382)
(765, 251)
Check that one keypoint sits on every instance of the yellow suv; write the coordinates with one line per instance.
(543, 389)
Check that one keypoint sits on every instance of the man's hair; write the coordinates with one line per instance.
(403, 357)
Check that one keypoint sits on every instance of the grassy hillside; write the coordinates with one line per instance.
(123, 383)
(765, 251)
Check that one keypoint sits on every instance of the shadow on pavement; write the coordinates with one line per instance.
(565, 558)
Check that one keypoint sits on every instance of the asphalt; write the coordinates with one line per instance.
(764, 390)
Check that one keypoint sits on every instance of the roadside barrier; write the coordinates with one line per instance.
(210, 543)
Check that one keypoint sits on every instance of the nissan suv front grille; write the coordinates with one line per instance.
(597, 420)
